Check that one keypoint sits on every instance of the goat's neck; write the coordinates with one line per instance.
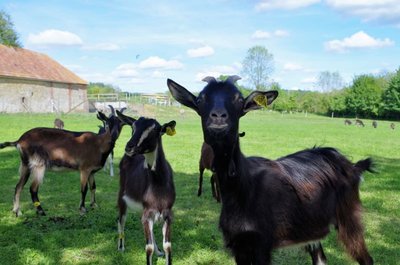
(155, 160)
(230, 166)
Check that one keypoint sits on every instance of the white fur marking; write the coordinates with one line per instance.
(132, 204)
(320, 262)
(145, 134)
(150, 247)
(150, 159)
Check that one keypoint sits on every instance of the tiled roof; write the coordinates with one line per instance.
(26, 64)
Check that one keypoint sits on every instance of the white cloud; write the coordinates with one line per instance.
(260, 34)
(383, 10)
(284, 4)
(201, 52)
(158, 74)
(157, 62)
(127, 70)
(356, 41)
(54, 37)
(292, 67)
(102, 47)
(281, 33)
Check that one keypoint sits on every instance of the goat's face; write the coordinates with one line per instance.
(220, 106)
(145, 134)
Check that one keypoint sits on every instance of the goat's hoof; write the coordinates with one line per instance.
(94, 205)
(40, 212)
(82, 211)
(18, 213)
(121, 248)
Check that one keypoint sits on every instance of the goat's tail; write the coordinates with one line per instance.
(7, 144)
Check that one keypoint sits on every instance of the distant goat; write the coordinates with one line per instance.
(392, 126)
(44, 149)
(374, 124)
(58, 124)
(110, 158)
(268, 204)
(146, 181)
(347, 122)
(206, 159)
(359, 122)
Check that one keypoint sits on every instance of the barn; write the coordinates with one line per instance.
(32, 82)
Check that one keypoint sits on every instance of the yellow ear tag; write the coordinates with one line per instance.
(36, 204)
(170, 131)
(261, 100)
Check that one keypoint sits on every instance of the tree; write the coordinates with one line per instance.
(391, 98)
(8, 36)
(328, 81)
(258, 66)
(364, 96)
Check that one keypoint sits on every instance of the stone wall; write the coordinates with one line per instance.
(23, 95)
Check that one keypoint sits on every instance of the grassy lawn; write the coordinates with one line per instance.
(64, 237)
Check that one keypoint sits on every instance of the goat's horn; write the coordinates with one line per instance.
(112, 110)
(122, 109)
(209, 79)
(233, 78)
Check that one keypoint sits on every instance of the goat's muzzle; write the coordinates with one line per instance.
(131, 151)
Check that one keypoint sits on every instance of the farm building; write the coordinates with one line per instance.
(33, 82)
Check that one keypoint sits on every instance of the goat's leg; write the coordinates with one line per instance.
(121, 224)
(166, 230)
(38, 174)
(84, 189)
(317, 253)
(200, 190)
(350, 232)
(212, 182)
(111, 161)
(24, 173)
(216, 187)
(148, 232)
(92, 185)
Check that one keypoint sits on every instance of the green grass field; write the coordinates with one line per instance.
(64, 237)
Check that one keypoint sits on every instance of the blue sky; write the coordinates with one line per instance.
(137, 45)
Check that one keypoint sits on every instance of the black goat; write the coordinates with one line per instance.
(44, 149)
(146, 181)
(392, 125)
(58, 123)
(119, 124)
(374, 124)
(347, 122)
(267, 204)
(359, 122)
(206, 159)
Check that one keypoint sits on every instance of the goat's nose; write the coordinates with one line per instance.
(219, 115)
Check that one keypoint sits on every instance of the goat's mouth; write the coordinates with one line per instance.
(218, 130)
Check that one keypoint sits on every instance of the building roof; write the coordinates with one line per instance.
(26, 64)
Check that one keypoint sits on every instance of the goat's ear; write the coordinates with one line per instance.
(182, 95)
(168, 128)
(259, 99)
(125, 119)
(101, 116)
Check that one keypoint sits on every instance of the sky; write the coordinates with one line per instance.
(136, 45)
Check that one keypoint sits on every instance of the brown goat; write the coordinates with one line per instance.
(44, 149)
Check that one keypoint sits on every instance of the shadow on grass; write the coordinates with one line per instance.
(63, 237)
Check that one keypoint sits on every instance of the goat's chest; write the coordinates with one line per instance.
(237, 221)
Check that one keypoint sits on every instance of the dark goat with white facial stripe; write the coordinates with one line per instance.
(110, 158)
(268, 204)
(146, 181)
(44, 149)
